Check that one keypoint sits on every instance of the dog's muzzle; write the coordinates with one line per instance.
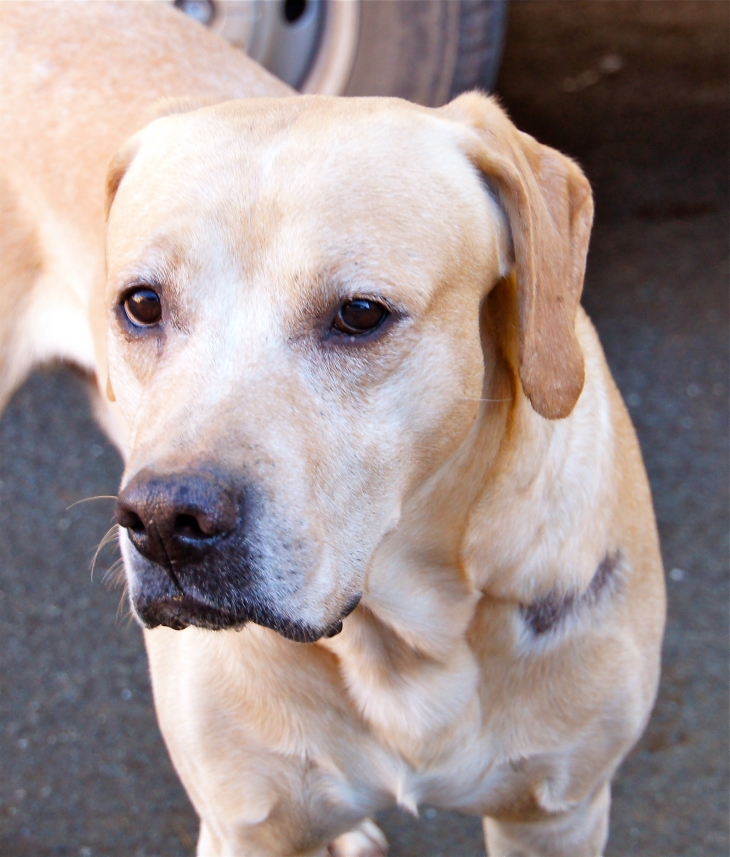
(196, 563)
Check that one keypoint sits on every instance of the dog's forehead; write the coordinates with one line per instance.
(265, 141)
(301, 181)
(344, 153)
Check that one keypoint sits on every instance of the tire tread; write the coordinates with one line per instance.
(481, 39)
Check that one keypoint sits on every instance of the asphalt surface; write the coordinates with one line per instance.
(638, 93)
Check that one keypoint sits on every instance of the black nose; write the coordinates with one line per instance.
(178, 516)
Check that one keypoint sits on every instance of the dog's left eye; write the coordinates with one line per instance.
(143, 307)
(359, 316)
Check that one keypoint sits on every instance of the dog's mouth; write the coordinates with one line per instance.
(194, 556)
(184, 611)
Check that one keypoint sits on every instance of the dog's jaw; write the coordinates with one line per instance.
(182, 612)
(157, 600)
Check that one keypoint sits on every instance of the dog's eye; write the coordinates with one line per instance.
(359, 316)
(143, 307)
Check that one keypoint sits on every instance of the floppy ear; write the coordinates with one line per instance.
(549, 206)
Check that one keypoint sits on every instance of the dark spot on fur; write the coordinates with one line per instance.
(546, 613)
(603, 575)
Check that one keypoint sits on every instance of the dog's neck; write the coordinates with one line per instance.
(404, 651)
(498, 521)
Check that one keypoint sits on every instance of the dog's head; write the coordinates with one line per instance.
(295, 342)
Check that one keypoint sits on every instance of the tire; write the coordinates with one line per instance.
(482, 27)
(426, 51)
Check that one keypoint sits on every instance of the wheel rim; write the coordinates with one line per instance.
(332, 64)
(309, 44)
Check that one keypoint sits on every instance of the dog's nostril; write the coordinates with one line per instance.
(189, 527)
(135, 523)
(129, 520)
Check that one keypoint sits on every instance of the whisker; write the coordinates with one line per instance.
(109, 536)
(89, 499)
(122, 601)
(114, 575)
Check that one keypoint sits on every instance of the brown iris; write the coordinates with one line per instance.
(143, 307)
(359, 316)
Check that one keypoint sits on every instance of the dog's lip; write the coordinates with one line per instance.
(185, 611)
(351, 605)
(336, 627)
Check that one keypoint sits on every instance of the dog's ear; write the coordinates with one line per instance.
(157, 110)
(549, 207)
(117, 168)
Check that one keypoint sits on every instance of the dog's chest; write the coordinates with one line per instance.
(428, 723)
(271, 724)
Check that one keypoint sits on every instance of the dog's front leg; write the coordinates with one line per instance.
(208, 846)
(580, 832)
(365, 840)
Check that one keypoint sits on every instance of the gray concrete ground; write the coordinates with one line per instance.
(82, 768)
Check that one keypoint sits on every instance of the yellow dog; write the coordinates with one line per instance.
(376, 466)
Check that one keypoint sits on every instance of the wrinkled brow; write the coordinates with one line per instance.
(164, 267)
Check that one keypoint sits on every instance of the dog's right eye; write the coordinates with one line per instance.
(359, 316)
(143, 307)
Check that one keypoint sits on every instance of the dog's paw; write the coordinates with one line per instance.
(365, 840)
